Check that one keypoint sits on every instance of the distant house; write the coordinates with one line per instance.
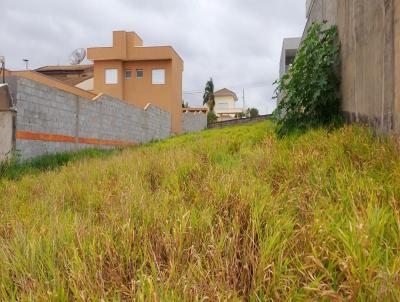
(139, 74)
(80, 76)
(131, 72)
(225, 104)
(289, 50)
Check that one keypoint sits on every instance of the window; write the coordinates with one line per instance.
(111, 76)
(158, 77)
(220, 105)
(139, 73)
(128, 74)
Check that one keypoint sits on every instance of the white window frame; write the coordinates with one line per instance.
(158, 76)
(111, 76)
(126, 74)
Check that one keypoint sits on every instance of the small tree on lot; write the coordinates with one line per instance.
(252, 112)
(211, 117)
(310, 89)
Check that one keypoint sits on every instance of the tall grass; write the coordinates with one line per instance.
(231, 214)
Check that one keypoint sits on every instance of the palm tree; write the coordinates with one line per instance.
(208, 97)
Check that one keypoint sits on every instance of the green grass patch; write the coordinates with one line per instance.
(223, 215)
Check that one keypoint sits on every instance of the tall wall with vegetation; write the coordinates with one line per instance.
(370, 68)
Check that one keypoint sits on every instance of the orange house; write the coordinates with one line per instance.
(140, 75)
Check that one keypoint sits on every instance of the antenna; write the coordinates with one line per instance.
(77, 56)
(26, 61)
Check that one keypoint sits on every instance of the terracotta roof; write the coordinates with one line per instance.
(65, 68)
(74, 81)
(226, 92)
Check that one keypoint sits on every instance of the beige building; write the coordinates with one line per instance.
(226, 104)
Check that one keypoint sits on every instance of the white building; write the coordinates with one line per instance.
(225, 104)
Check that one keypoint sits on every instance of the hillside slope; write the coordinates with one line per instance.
(231, 214)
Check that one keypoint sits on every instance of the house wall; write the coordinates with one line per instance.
(194, 121)
(50, 120)
(127, 53)
(224, 99)
(87, 85)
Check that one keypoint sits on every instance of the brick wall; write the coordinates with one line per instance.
(50, 120)
(194, 121)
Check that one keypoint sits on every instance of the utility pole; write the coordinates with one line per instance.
(244, 103)
(3, 68)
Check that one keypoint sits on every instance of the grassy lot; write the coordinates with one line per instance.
(231, 214)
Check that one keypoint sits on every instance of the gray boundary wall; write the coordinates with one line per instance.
(194, 121)
(43, 109)
(369, 32)
(242, 121)
(7, 123)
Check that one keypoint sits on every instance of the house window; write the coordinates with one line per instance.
(222, 106)
(158, 77)
(139, 73)
(111, 76)
(128, 74)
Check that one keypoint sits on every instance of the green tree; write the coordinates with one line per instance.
(208, 97)
(211, 117)
(252, 112)
(310, 89)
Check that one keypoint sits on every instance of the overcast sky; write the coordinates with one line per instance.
(237, 42)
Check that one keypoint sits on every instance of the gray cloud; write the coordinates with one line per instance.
(237, 42)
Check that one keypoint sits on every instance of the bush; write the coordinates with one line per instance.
(310, 89)
(211, 117)
(252, 112)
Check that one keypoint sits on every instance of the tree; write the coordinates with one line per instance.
(185, 104)
(252, 112)
(310, 89)
(208, 97)
(211, 117)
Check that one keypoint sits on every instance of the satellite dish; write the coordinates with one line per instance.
(77, 56)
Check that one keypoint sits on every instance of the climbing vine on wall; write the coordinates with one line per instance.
(310, 90)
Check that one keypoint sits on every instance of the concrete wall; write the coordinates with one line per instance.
(242, 121)
(194, 121)
(367, 36)
(6, 134)
(369, 32)
(396, 33)
(322, 10)
(50, 120)
(7, 122)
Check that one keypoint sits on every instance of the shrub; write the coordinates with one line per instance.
(211, 117)
(310, 89)
(252, 112)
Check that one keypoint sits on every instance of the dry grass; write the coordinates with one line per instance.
(231, 214)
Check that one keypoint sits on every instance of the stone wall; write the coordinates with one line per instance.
(50, 120)
(194, 121)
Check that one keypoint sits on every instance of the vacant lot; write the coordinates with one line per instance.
(231, 214)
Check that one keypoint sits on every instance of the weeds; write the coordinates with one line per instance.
(230, 214)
